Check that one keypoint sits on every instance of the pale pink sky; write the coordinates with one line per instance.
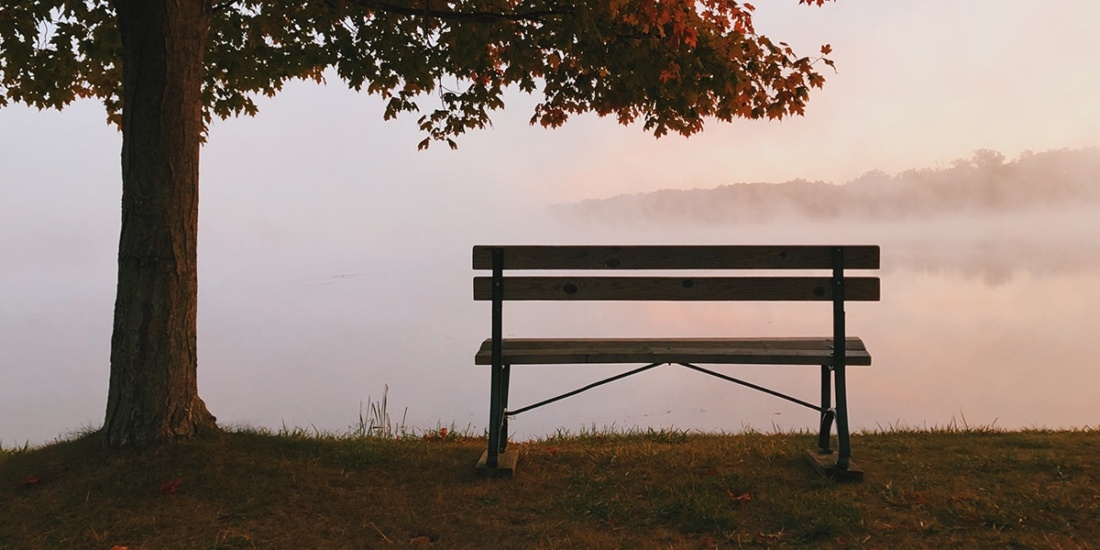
(919, 84)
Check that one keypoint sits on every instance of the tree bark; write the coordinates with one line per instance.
(153, 394)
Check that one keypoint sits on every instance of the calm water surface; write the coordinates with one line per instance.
(987, 322)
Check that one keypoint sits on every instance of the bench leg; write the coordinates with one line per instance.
(495, 414)
(827, 413)
(845, 454)
(822, 459)
(505, 375)
(498, 421)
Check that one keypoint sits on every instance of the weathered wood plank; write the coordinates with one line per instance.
(677, 257)
(745, 351)
(678, 288)
(824, 342)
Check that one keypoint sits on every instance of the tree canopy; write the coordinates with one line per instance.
(165, 68)
(667, 63)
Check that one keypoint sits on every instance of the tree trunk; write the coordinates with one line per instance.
(153, 393)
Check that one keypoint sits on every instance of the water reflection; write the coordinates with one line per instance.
(991, 318)
(946, 347)
(985, 319)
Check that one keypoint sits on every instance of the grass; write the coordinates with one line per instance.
(939, 487)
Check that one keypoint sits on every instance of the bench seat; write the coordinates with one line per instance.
(742, 351)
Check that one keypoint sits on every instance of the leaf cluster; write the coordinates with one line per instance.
(53, 52)
(669, 64)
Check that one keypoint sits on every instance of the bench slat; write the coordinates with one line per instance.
(759, 351)
(678, 288)
(677, 257)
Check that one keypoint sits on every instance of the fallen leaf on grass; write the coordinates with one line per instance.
(117, 547)
(742, 498)
(170, 487)
(771, 537)
(31, 481)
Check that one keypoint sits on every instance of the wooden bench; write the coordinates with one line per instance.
(831, 354)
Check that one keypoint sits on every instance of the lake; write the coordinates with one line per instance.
(984, 320)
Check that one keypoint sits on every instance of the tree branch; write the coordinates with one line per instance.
(448, 15)
(477, 16)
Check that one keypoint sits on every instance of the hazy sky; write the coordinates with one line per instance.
(917, 84)
(318, 186)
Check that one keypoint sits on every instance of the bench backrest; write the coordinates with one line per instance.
(836, 287)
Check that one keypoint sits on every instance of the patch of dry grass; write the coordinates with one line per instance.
(667, 489)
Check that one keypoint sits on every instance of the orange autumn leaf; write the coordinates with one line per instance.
(170, 487)
(117, 547)
(691, 38)
(827, 49)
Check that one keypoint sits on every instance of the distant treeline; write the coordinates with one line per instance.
(985, 183)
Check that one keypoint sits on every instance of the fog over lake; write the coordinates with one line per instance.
(987, 314)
